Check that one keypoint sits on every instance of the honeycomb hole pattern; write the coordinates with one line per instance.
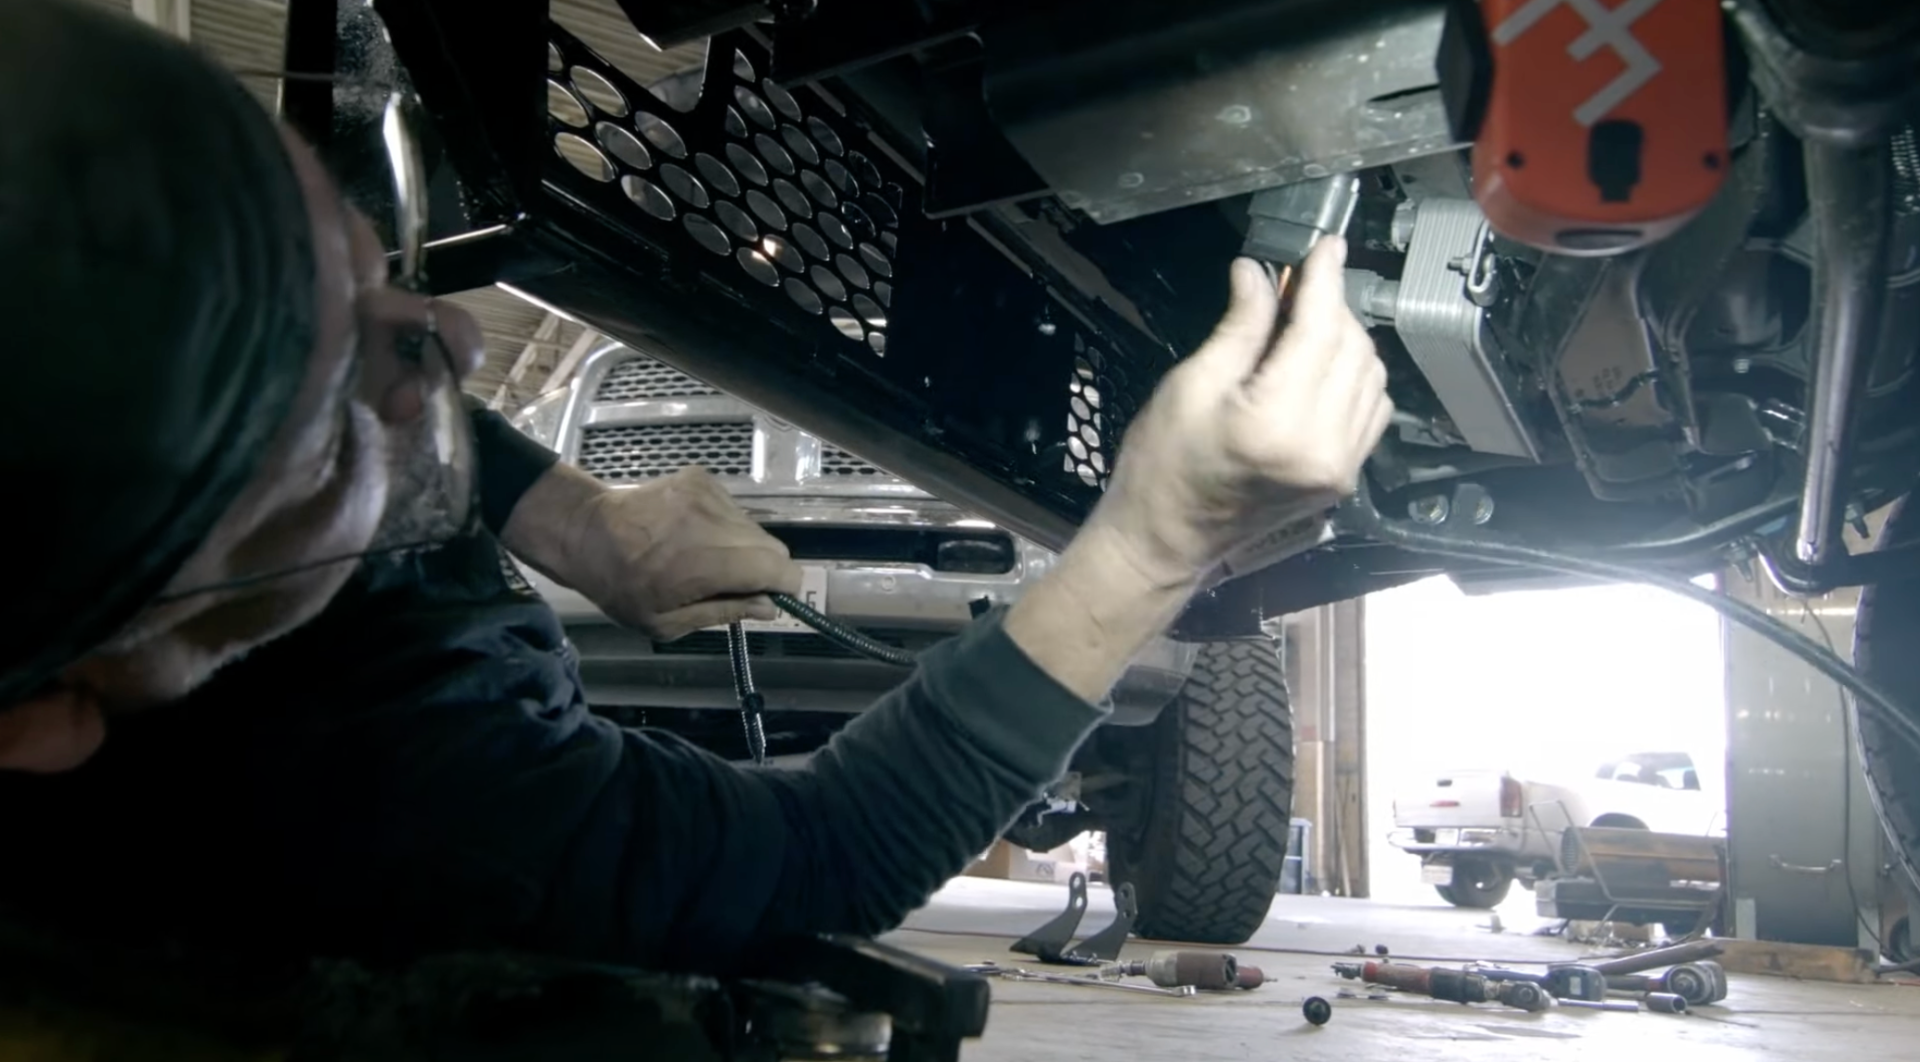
(623, 145)
(776, 169)
(628, 453)
(564, 107)
(782, 191)
(737, 220)
(837, 462)
(1088, 454)
(639, 379)
(758, 267)
(599, 91)
(583, 156)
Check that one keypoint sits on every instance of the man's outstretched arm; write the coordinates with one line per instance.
(635, 846)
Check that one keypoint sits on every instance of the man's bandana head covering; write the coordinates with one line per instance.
(156, 284)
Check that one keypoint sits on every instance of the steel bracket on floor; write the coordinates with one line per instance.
(1049, 943)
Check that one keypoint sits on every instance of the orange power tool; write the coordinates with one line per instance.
(1598, 126)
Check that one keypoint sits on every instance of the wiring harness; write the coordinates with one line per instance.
(1359, 517)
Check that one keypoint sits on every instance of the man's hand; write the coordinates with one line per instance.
(1257, 428)
(667, 558)
(1252, 431)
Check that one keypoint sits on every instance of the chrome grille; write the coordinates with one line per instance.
(837, 462)
(643, 378)
(620, 453)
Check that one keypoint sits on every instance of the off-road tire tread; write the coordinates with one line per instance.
(1208, 862)
(1886, 648)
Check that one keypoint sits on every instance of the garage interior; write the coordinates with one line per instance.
(1389, 692)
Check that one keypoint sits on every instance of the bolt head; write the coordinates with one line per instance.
(1431, 510)
(1482, 511)
(1048, 328)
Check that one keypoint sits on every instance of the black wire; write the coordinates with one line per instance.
(840, 634)
(751, 703)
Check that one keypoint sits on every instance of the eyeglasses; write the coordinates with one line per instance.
(446, 510)
(431, 493)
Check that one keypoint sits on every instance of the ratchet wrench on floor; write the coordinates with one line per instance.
(1015, 973)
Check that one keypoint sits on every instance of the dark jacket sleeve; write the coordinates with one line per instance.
(417, 770)
(509, 463)
(638, 847)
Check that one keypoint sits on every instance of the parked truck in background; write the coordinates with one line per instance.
(1478, 831)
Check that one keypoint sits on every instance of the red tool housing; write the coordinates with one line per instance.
(1605, 123)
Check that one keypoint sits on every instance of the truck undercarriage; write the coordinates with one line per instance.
(963, 239)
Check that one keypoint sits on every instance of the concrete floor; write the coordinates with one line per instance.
(974, 920)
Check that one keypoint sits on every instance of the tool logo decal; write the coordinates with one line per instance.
(1606, 28)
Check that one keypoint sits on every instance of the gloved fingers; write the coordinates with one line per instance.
(1313, 345)
(705, 573)
(1243, 336)
(716, 613)
(1377, 422)
(1364, 360)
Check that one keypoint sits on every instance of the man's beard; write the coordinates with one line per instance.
(425, 499)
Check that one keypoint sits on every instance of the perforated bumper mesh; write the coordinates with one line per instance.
(642, 378)
(635, 452)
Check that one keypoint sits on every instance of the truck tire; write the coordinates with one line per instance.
(1886, 648)
(1205, 851)
(1478, 885)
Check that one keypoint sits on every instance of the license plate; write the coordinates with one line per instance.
(813, 592)
(1436, 874)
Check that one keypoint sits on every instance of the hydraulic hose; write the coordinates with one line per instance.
(1359, 516)
(751, 702)
(845, 637)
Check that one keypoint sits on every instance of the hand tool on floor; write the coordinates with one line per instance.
(1664, 1003)
(1172, 969)
(1525, 995)
(1611, 1004)
(1015, 973)
(1640, 962)
(1699, 983)
(1453, 986)
(1571, 981)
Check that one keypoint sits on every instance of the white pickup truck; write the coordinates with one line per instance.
(1477, 831)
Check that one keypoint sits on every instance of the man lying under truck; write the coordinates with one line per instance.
(235, 711)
